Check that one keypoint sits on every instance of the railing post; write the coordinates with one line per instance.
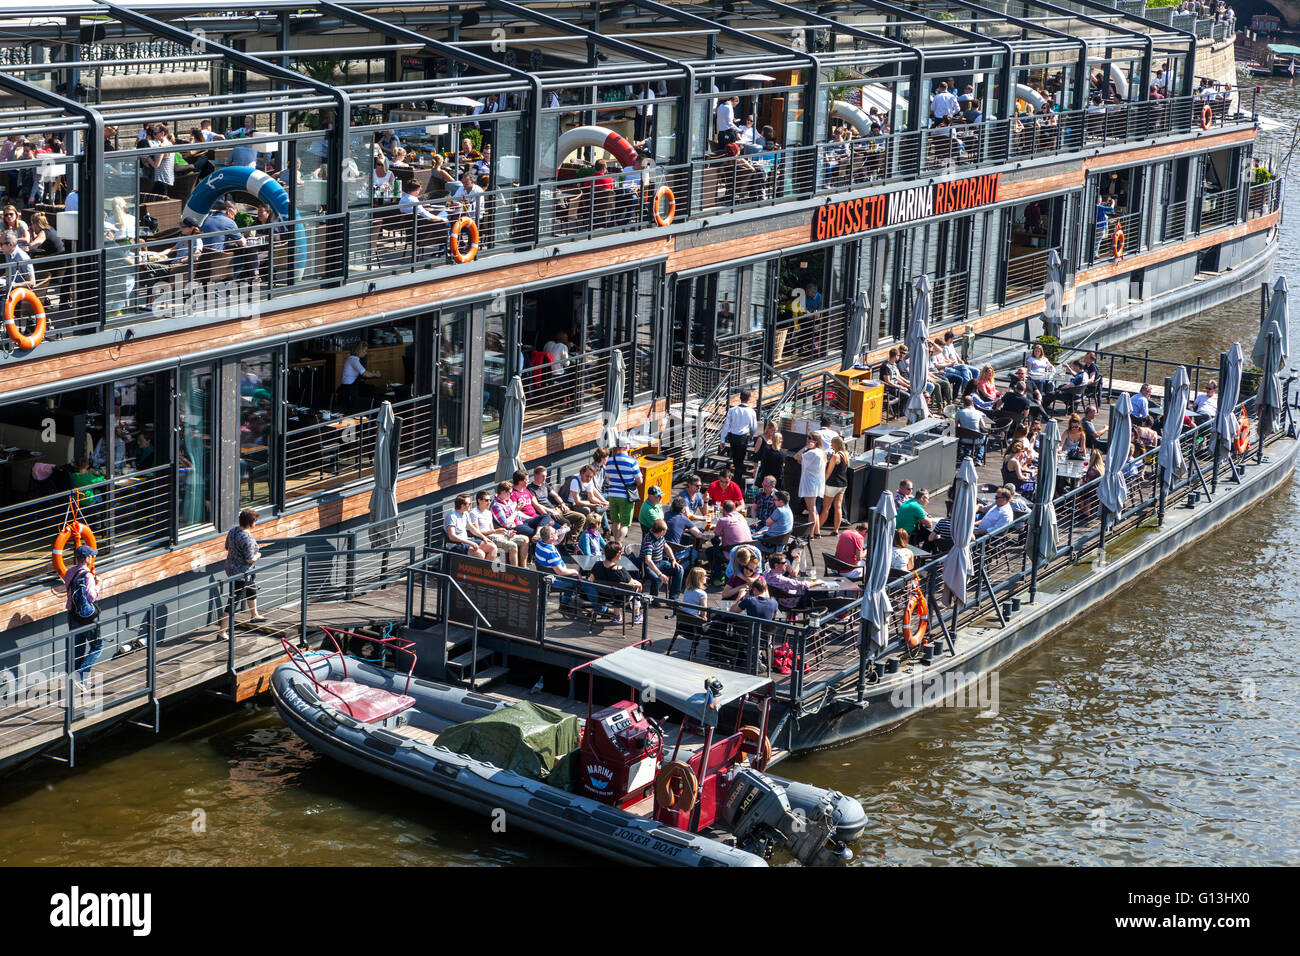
(302, 599)
(350, 564)
(151, 655)
(230, 632)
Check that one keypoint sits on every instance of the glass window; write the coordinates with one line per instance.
(645, 314)
(494, 367)
(194, 419)
(758, 286)
(451, 378)
(256, 421)
(728, 304)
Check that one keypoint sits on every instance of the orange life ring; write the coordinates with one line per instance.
(676, 787)
(24, 294)
(1207, 116)
(1118, 243)
(464, 222)
(918, 610)
(665, 218)
(1241, 444)
(751, 738)
(82, 534)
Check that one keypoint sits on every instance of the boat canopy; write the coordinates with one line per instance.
(679, 684)
(1284, 49)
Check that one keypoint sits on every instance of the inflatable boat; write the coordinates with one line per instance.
(678, 791)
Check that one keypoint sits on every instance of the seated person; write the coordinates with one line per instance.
(459, 538)
(482, 527)
(779, 576)
(583, 495)
(1015, 471)
(82, 477)
(695, 507)
(1145, 438)
(851, 548)
(1140, 405)
(1205, 405)
(901, 559)
(780, 521)
(1075, 439)
(913, 518)
(591, 541)
(652, 509)
(724, 489)
(972, 419)
(144, 452)
(747, 566)
(508, 516)
(610, 573)
(682, 530)
(530, 506)
(1090, 429)
(764, 502)
(547, 558)
(754, 601)
(731, 530)
(997, 515)
(658, 565)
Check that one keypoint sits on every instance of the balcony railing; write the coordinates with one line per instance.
(1219, 209)
(1106, 246)
(557, 391)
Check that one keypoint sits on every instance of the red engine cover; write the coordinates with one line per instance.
(619, 755)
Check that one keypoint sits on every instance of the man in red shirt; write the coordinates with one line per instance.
(849, 548)
(724, 489)
(601, 180)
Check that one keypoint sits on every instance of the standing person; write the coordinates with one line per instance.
(738, 430)
(353, 392)
(812, 480)
(837, 482)
(767, 451)
(622, 473)
(242, 552)
(81, 600)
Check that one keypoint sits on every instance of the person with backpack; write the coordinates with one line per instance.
(242, 552)
(82, 603)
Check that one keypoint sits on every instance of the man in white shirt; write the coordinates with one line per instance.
(558, 350)
(471, 194)
(728, 130)
(825, 433)
(738, 430)
(999, 515)
(944, 103)
(456, 529)
(1206, 404)
(645, 115)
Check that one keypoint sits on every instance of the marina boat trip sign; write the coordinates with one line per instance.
(838, 219)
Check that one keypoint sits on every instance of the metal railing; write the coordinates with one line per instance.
(1264, 198)
(1174, 226)
(616, 202)
(1218, 209)
(1103, 242)
(557, 391)
(1026, 274)
(812, 336)
(128, 513)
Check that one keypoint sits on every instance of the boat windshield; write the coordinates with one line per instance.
(677, 683)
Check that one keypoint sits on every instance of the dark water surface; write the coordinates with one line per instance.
(1163, 729)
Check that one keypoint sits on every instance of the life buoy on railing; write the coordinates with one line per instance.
(664, 218)
(1241, 444)
(752, 738)
(73, 531)
(676, 787)
(1207, 116)
(1118, 244)
(916, 614)
(464, 223)
(23, 294)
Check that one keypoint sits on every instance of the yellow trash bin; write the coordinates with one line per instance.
(655, 470)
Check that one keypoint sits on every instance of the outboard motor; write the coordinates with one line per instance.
(757, 811)
(620, 754)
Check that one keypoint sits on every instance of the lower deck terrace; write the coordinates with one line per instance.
(514, 622)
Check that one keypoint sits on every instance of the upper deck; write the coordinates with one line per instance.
(311, 94)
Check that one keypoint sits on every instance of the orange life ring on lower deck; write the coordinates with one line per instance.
(1118, 243)
(24, 294)
(82, 534)
(1241, 444)
(463, 223)
(676, 787)
(916, 615)
(665, 218)
(1207, 116)
(753, 737)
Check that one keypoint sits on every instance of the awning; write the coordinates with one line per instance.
(675, 682)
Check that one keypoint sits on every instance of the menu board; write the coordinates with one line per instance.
(506, 596)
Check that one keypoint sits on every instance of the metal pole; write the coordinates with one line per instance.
(1160, 478)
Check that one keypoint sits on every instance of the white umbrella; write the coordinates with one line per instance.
(511, 437)
(957, 564)
(1045, 540)
(875, 578)
(918, 352)
(1225, 423)
(1170, 456)
(383, 499)
(1112, 491)
(458, 101)
(1268, 400)
(1053, 289)
(614, 400)
(1278, 312)
(857, 326)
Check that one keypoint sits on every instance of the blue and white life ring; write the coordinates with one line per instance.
(248, 180)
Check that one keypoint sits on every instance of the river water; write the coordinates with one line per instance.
(1164, 728)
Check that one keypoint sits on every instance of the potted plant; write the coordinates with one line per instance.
(1051, 348)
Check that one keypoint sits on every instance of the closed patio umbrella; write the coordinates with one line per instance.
(511, 438)
(1045, 538)
(614, 400)
(1279, 312)
(383, 499)
(875, 576)
(1268, 400)
(1053, 289)
(1225, 422)
(857, 326)
(918, 352)
(957, 564)
(1113, 492)
(1170, 456)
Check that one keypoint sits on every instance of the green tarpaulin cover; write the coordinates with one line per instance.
(526, 738)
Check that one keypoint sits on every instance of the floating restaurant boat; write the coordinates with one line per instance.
(605, 255)
(607, 783)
